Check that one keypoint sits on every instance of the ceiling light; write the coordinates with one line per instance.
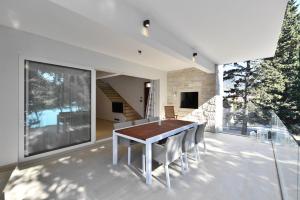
(148, 85)
(146, 23)
(194, 56)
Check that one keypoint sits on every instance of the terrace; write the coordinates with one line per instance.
(234, 167)
(71, 70)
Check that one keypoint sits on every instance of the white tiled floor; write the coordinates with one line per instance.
(234, 167)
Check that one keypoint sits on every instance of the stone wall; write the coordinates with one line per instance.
(193, 80)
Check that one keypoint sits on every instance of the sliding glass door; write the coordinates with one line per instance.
(57, 107)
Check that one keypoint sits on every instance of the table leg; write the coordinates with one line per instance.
(115, 149)
(148, 163)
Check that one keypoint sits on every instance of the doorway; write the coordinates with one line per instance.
(147, 86)
(119, 98)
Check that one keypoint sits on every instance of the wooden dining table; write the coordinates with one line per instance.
(147, 134)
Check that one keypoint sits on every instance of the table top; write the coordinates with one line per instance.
(151, 129)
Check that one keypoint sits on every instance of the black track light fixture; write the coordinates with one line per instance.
(146, 23)
(194, 56)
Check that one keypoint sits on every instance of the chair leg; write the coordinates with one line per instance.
(186, 161)
(204, 144)
(197, 153)
(182, 164)
(129, 155)
(167, 175)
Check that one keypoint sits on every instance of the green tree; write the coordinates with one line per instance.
(243, 77)
(279, 87)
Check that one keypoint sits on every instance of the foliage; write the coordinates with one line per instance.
(280, 78)
(272, 83)
(54, 88)
(244, 79)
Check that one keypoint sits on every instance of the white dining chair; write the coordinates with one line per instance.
(188, 144)
(140, 121)
(153, 119)
(168, 153)
(200, 138)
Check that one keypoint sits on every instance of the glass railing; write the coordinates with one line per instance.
(258, 122)
(267, 127)
(286, 152)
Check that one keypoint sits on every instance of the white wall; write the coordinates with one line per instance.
(104, 108)
(15, 44)
(131, 89)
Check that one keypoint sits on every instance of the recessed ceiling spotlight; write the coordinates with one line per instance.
(140, 52)
(146, 23)
(194, 57)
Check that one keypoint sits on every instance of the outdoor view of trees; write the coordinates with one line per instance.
(58, 107)
(256, 87)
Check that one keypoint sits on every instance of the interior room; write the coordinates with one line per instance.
(119, 98)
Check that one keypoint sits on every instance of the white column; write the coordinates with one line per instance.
(219, 99)
(157, 99)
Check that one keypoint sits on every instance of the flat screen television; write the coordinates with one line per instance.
(189, 100)
(117, 107)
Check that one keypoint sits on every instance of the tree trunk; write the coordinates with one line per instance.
(245, 121)
(245, 101)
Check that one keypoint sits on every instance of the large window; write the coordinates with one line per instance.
(57, 107)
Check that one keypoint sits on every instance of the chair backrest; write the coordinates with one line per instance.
(140, 121)
(152, 119)
(199, 136)
(122, 125)
(188, 141)
(169, 112)
(174, 147)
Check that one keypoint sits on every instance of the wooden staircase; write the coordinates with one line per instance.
(129, 113)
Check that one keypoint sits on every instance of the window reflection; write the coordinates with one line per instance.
(57, 107)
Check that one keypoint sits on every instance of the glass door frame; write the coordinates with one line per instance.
(21, 132)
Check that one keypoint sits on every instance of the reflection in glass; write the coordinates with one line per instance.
(57, 107)
(286, 151)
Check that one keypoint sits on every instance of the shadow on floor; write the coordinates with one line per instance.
(233, 168)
